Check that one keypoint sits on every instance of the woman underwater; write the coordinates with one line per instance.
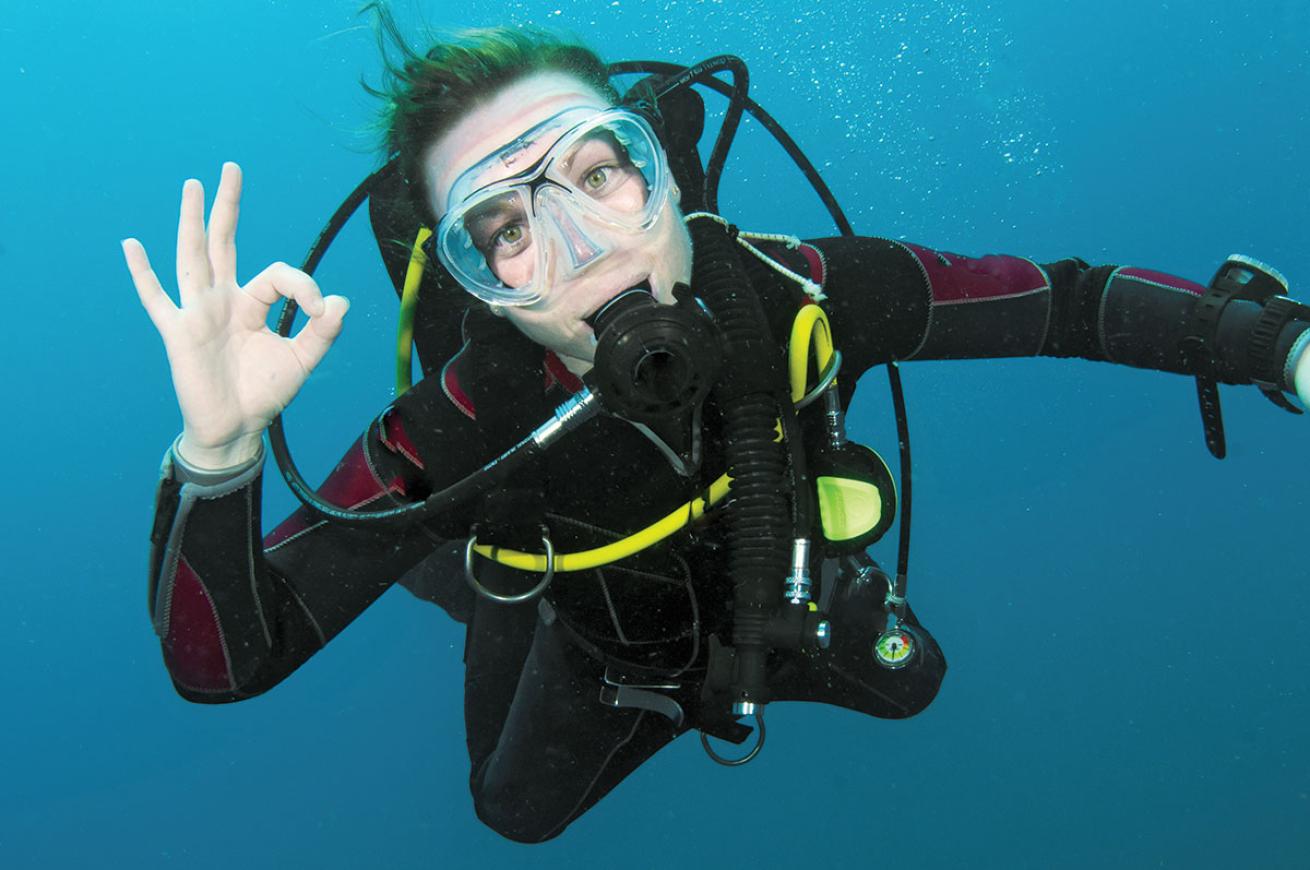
(556, 206)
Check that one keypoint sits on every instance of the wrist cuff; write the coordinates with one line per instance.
(185, 472)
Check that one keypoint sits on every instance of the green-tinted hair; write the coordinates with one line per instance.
(424, 95)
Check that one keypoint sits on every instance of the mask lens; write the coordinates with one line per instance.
(487, 244)
(601, 166)
(605, 174)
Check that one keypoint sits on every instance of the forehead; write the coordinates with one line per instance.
(498, 120)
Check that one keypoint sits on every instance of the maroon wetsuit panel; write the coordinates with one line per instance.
(194, 646)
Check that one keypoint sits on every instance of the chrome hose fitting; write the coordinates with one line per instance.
(745, 708)
(834, 416)
(567, 417)
(797, 588)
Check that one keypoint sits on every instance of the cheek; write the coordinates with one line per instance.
(630, 198)
(676, 246)
(549, 327)
(515, 271)
(684, 248)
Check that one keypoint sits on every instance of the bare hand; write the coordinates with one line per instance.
(232, 374)
(1301, 376)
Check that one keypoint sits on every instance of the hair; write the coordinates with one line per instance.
(425, 95)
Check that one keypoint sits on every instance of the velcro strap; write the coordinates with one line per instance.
(1212, 417)
(1198, 346)
(642, 699)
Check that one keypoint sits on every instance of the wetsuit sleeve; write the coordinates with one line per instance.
(236, 612)
(891, 300)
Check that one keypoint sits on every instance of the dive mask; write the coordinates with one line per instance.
(512, 228)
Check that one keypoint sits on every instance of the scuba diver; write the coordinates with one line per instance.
(625, 468)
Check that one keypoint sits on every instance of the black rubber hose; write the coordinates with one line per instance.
(805, 509)
(489, 476)
(672, 71)
(748, 394)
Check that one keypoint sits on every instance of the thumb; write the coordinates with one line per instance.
(316, 336)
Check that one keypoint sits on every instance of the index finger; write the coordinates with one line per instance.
(148, 289)
(280, 281)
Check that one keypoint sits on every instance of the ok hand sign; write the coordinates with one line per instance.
(232, 374)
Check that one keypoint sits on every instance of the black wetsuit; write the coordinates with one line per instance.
(235, 617)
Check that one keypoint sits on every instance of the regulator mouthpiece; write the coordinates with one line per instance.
(655, 365)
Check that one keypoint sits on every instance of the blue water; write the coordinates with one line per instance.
(1124, 616)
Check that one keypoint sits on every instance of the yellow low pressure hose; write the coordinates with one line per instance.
(408, 306)
(810, 325)
(635, 543)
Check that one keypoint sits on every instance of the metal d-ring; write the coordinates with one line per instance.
(737, 762)
(509, 599)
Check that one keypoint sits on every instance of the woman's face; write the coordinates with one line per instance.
(660, 255)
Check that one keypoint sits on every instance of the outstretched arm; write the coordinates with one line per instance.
(891, 300)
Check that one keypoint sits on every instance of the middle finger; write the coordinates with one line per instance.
(223, 225)
(193, 273)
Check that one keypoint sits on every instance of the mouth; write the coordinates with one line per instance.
(641, 285)
(595, 317)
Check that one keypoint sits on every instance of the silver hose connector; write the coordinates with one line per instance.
(567, 417)
(835, 417)
(797, 588)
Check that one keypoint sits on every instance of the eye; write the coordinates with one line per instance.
(508, 237)
(597, 178)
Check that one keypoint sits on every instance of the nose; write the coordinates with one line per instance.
(571, 238)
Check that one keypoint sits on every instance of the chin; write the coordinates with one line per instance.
(581, 345)
(663, 292)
